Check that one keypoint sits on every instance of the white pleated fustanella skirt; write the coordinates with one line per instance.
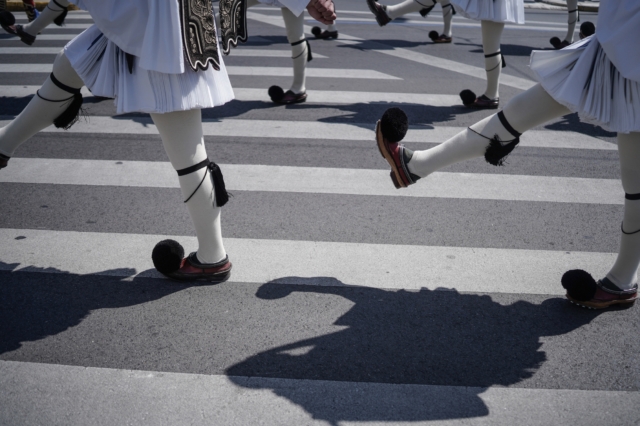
(103, 68)
(491, 10)
(583, 79)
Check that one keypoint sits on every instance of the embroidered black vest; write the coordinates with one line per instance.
(199, 31)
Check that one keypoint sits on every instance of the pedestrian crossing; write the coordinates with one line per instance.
(350, 302)
(237, 70)
(322, 180)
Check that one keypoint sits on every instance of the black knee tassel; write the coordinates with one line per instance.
(222, 196)
(498, 150)
(70, 116)
(219, 188)
(59, 21)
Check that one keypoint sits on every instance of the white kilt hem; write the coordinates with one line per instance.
(491, 10)
(583, 79)
(103, 68)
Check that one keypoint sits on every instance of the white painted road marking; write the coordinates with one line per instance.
(318, 180)
(316, 263)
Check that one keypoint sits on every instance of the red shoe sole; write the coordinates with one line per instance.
(396, 177)
(601, 305)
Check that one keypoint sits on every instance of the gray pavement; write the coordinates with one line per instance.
(318, 341)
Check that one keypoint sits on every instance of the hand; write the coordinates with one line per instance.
(322, 11)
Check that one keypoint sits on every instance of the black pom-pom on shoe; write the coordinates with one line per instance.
(579, 284)
(587, 28)
(167, 256)
(555, 42)
(276, 93)
(394, 125)
(316, 31)
(7, 18)
(468, 97)
(433, 35)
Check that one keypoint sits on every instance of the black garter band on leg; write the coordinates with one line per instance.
(59, 21)
(504, 63)
(220, 190)
(631, 197)
(498, 150)
(70, 115)
(304, 40)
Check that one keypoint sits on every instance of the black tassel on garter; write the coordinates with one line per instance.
(498, 150)
(70, 115)
(59, 21)
(222, 196)
(220, 190)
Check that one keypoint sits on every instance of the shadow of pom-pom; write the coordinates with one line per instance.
(587, 28)
(394, 124)
(316, 31)
(467, 96)
(555, 42)
(7, 18)
(433, 35)
(276, 93)
(579, 284)
(167, 256)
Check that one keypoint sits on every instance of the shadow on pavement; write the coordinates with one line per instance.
(32, 309)
(442, 338)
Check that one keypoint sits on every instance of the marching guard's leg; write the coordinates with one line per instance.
(57, 102)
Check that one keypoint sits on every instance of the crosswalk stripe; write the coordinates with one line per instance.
(171, 398)
(239, 70)
(266, 53)
(409, 55)
(43, 37)
(317, 180)
(455, 24)
(317, 263)
(315, 96)
(317, 130)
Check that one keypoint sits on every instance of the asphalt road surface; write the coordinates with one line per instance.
(350, 302)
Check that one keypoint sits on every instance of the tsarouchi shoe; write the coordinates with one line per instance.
(380, 12)
(482, 102)
(557, 44)
(323, 35)
(433, 35)
(584, 291)
(7, 22)
(287, 97)
(396, 155)
(192, 270)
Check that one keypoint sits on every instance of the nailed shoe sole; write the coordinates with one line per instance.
(396, 177)
(601, 305)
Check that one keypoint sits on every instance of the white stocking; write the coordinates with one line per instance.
(408, 6)
(527, 110)
(299, 52)
(181, 133)
(332, 27)
(572, 19)
(39, 114)
(447, 16)
(491, 33)
(625, 270)
(48, 14)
